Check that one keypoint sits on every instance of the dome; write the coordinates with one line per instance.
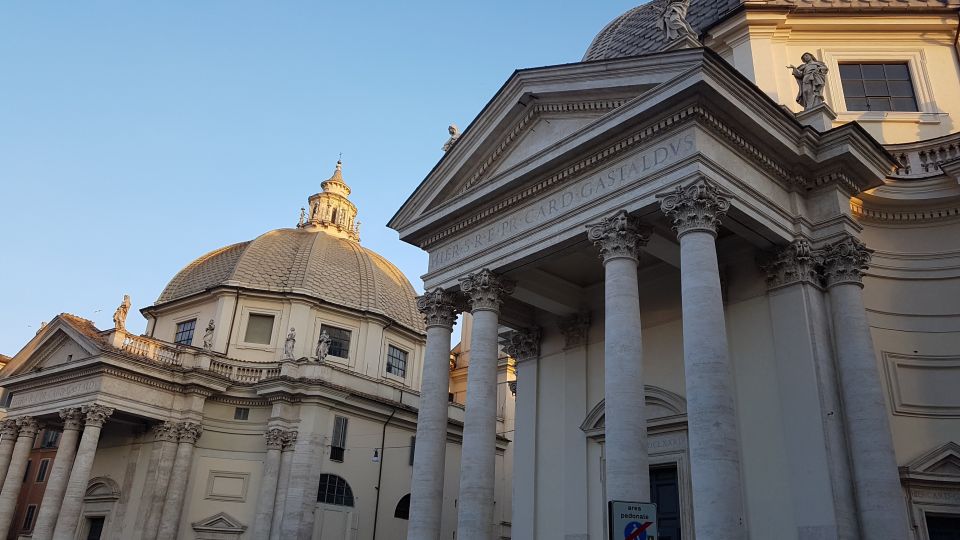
(305, 261)
(637, 31)
(321, 258)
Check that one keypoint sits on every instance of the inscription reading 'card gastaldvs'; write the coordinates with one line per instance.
(570, 198)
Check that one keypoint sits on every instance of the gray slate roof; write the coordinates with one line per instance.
(310, 262)
(635, 32)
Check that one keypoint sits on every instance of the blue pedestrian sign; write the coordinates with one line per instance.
(632, 520)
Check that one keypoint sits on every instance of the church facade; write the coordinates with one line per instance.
(274, 395)
(724, 250)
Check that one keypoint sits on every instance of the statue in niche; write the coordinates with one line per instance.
(289, 343)
(454, 132)
(673, 20)
(208, 335)
(323, 345)
(811, 75)
(120, 315)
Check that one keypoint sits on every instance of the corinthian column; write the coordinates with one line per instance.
(485, 291)
(165, 448)
(96, 416)
(27, 430)
(268, 485)
(188, 433)
(620, 238)
(59, 474)
(8, 438)
(879, 496)
(696, 211)
(426, 486)
(286, 460)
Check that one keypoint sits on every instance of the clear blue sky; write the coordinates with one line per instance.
(136, 136)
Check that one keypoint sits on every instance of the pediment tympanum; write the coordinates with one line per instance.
(942, 464)
(64, 339)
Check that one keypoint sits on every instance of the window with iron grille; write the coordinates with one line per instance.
(334, 490)
(878, 87)
(42, 470)
(339, 340)
(338, 443)
(396, 361)
(184, 335)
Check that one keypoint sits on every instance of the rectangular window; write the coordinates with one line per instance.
(50, 439)
(241, 413)
(339, 340)
(259, 329)
(878, 87)
(338, 443)
(184, 335)
(413, 449)
(95, 527)
(28, 517)
(396, 361)
(42, 471)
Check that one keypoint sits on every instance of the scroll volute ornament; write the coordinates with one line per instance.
(697, 207)
(167, 431)
(439, 308)
(485, 290)
(795, 263)
(72, 418)
(845, 261)
(27, 426)
(620, 235)
(190, 432)
(96, 415)
(523, 344)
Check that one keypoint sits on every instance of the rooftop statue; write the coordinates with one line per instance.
(811, 76)
(454, 137)
(120, 315)
(673, 20)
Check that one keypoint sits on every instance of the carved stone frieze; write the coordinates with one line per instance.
(485, 290)
(274, 438)
(698, 206)
(72, 418)
(166, 431)
(189, 432)
(845, 261)
(522, 344)
(439, 308)
(620, 235)
(796, 263)
(574, 329)
(96, 415)
(27, 426)
(289, 440)
(8, 428)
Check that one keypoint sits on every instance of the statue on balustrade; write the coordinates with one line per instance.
(323, 345)
(120, 315)
(208, 335)
(811, 75)
(289, 344)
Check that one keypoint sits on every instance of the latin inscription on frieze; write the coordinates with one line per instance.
(52, 394)
(569, 199)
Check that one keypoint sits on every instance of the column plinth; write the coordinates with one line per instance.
(485, 291)
(95, 416)
(619, 239)
(59, 474)
(879, 495)
(27, 428)
(266, 499)
(188, 433)
(714, 447)
(426, 486)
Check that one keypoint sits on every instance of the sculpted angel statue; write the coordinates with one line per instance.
(120, 315)
(454, 132)
(811, 76)
(673, 20)
(289, 343)
(323, 345)
(208, 335)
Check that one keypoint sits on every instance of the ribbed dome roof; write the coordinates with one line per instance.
(307, 261)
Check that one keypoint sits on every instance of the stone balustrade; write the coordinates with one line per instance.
(922, 159)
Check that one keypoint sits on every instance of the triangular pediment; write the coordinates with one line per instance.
(942, 461)
(65, 339)
(221, 523)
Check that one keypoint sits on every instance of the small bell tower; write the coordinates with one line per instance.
(331, 209)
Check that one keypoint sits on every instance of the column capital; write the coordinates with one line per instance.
(8, 428)
(96, 414)
(289, 440)
(72, 418)
(845, 261)
(523, 344)
(274, 438)
(189, 432)
(165, 431)
(485, 290)
(439, 308)
(796, 263)
(574, 329)
(699, 206)
(619, 236)
(28, 426)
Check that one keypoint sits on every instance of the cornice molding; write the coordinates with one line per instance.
(902, 215)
